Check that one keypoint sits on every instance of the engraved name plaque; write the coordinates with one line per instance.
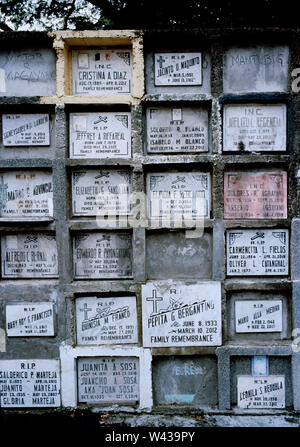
(102, 255)
(108, 379)
(255, 195)
(100, 135)
(173, 130)
(101, 72)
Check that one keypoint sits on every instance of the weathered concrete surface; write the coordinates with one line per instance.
(206, 259)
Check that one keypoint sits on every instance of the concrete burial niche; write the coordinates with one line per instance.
(257, 252)
(102, 71)
(255, 195)
(100, 135)
(29, 255)
(256, 69)
(26, 194)
(170, 72)
(28, 72)
(102, 320)
(29, 135)
(255, 127)
(279, 367)
(258, 316)
(102, 255)
(108, 379)
(101, 192)
(185, 380)
(38, 383)
(177, 129)
(173, 255)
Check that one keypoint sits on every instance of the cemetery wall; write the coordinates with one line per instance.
(149, 222)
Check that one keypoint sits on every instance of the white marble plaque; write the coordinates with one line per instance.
(106, 321)
(101, 72)
(257, 252)
(258, 316)
(100, 135)
(261, 392)
(178, 196)
(172, 130)
(101, 192)
(29, 383)
(254, 127)
(102, 255)
(29, 255)
(26, 194)
(177, 314)
(256, 69)
(178, 69)
(30, 320)
(26, 130)
(108, 379)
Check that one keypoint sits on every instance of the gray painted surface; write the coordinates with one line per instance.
(190, 381)
(172, 255)
(28, 72)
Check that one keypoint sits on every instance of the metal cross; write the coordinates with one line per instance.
(154, 298)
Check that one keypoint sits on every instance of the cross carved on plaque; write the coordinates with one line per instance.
(85, 309)
(154, 298)
(160, 60)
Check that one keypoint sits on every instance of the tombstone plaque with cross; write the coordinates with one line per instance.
(100, 135)
(178, 69)
(179, 314)
(257, 252)
(104, 320)
(178, 197)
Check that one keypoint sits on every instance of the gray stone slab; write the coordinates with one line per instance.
(177, 129)
(101, 192)
(261, 392)
(106, 321)
(101, 72)
(254, 127)
(30, 319)
(29, 383)
(29, 255)
(177, 314)
(100, 135)
(28, 72)
(178, 196)
(178, 69)
(172, 255)
(185, 380)
(108, 379)
(102, 255)
(26, 129)
(26, 194)
(256, 69)
(258, 316)
(257, 252)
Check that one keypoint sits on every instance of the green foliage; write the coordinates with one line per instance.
(144, 14)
